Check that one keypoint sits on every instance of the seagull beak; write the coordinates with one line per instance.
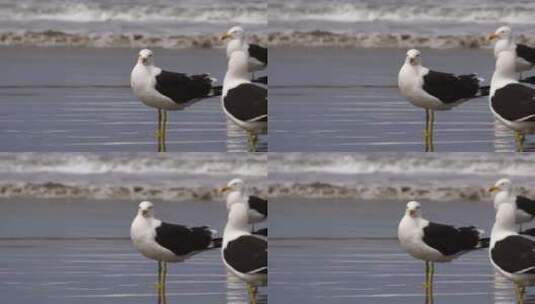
(493, 36)
(493, 189)
(224, 36)
(224, 189)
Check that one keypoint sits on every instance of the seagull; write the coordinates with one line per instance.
(168, 91)
(244, 102)
(512, 254)
(257, 208)
(433, 90)
(258, 55)
(244, 254)
(524, 55)
(432, 242)
(525, 207)
(511, 102)
(168, 243)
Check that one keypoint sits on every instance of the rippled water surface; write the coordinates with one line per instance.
(335, 251)
(74, 99)
(343, 99)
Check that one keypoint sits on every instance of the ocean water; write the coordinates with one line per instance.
(357, 259)
(78, 251)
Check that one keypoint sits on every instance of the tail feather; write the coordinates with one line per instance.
(216, 243)
(530, 80)
(216, 91)
(483, 243)
(483, 91)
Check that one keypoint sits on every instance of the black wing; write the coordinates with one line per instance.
(247, 102)
(449, 240)
(259, 53)
(525, 52)
(258, 204)
(515, 102)
(514, 254)
(262, 232)
(450, 88)
(262, 80)
(182, 240)
(182, 88)
(247, 254)
(525, 204)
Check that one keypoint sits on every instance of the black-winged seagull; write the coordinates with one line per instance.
(432, 242)
(237, 194)
(505, 194)
(244, 103)
(244, 254)
(168, 91)
(168, 243)
(511, 102)
(512, 254)
(433, 90)
(524, 55)
(258, 55)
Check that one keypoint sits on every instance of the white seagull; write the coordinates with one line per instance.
(432, 242)
(244, 103)
(244, 254)
(257, 207)
(168, 91)
(524, 55)
(168, 243)
(433, 90)
(512, 254)
(504, 194)
(258, 55)
(511, 102)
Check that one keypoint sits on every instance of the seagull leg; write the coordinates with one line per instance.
(251, 294)
(164, 130)
(158, 133)
(252, 138)
(519, 140)
(164, 279)
(431, 130)
(158, 284)
(519, 292)
(431, 275)
(426, 130)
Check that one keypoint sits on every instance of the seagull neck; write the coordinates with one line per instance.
(237, 218)
(233, 45)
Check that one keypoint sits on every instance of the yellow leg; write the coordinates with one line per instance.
(251, 292)
(520, 292)
(519, 141)
(164, 282)
(158, 133)
(431, 275)
(431, 130)
(426, 132)
(164, 131)
(252, 139)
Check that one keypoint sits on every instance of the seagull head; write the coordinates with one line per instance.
(414, 209)
(236, 184)
(413, 57)
(503, 184)
(145, 209)
(145, 57)
(235, 32)
(503, 32)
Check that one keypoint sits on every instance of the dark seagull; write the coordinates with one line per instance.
(244, 254)
(512, 254)
(258, 55)
(168, 91)
(244, 103)
(168, 243)
(435, 243)
(435, 91)
(524, 55)
(512, 103)
(257, 208)
(504, 194)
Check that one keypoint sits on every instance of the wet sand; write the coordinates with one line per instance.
(79, 99)
(346, 99)
(73, 251)
(357, 259)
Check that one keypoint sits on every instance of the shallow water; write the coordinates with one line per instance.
(356, 258)
(69, 251)
(75, 99)
(342, 99)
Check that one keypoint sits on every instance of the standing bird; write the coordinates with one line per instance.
(244, 103)
(168, 91)
(525, 207)
(432, 90)
(512, 254)
(244, 254)
(258, 55)
(524, 55)
(257, 208)
(511, 102)
(168, 243)
(433, 242)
